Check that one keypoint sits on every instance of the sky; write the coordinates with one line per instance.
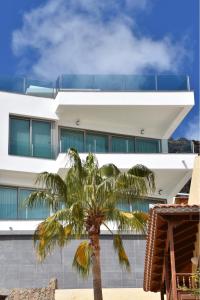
(45, 38)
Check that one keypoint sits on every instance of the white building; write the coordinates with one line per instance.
(125, 120)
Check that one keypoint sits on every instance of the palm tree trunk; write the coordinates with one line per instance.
(96, 267)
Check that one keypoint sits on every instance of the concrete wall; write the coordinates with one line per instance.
(19, 268)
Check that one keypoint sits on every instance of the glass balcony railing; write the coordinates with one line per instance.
(124, 82)
(49, 89)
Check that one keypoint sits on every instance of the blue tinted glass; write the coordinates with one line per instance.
(172, 82)
(143, 145)
(19, 137)
(140, 205)
(134, 82)
(41, 139)
(96, 143)
(122, 144)
(76, 82)
(71, 139)
(180, 146)
(123, 205)
(27, 213)
(8, 203)
(12, 84)
(109, 83)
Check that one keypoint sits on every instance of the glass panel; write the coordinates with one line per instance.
(123, 205)
(141, 205)
(27, 213)
(12, 84)
(172, 82)
(8, 203)
(41, 139)
(96, 143)
(181, 145)
(71, 139)
(122, 145)
(146, 145)
(140, 83)
(109, 82)
(19, 137)
(76, 82)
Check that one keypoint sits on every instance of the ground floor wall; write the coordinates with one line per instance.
(20, 268)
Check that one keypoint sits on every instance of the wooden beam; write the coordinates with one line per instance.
(184, 257)
(180, 230)
(185, 241)
(172, 260)
(185, 249)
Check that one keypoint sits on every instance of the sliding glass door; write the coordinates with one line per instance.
(41, 139)
(71, 139)
(30, 137)
(122, 145)
(143, 145)
(96, 143)
(8, 203)
(20, 137)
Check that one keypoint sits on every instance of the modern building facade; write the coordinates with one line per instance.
(125, 120)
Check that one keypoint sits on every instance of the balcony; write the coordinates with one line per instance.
(123, 83)
(188, 286)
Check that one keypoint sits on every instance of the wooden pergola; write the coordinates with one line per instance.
(172, 234)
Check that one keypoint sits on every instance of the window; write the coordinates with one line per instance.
(30, 138)
(12, 205)
(141, 204)
(143, 145)
(122, 144)
(96, 143)
(8, 203)
(71, 139)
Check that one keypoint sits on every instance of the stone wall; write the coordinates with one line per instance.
(20, 269)
(47, 293)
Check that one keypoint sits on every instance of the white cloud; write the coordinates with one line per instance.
(192, 131)
(92, 37)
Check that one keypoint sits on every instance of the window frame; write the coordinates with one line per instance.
(18, 188)
(31, 120)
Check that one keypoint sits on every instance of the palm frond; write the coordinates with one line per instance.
(75, 160)
(142, 171)
(82, 258)
(50, 233)
(109, 170)
(137, 220)
(119, 248)
(39, 198)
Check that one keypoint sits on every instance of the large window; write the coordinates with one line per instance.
(8, 203)
(122, 144)
(143, 204)
(144, 145)
(71, 139)
(30, 137)
(96, 142)
(12, 205)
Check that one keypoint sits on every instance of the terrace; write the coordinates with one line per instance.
(98, 83)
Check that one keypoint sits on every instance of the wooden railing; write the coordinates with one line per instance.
(188, 286)
(187, 281)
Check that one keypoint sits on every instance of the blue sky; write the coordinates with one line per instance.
(43, 39)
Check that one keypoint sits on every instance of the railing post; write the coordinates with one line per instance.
(172, 260)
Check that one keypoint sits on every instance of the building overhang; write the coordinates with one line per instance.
(157, 113)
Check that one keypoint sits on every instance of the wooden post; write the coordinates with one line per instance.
(162, 294)
(167, 283)
(172, 260)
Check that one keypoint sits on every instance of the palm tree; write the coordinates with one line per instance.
(86, 199)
